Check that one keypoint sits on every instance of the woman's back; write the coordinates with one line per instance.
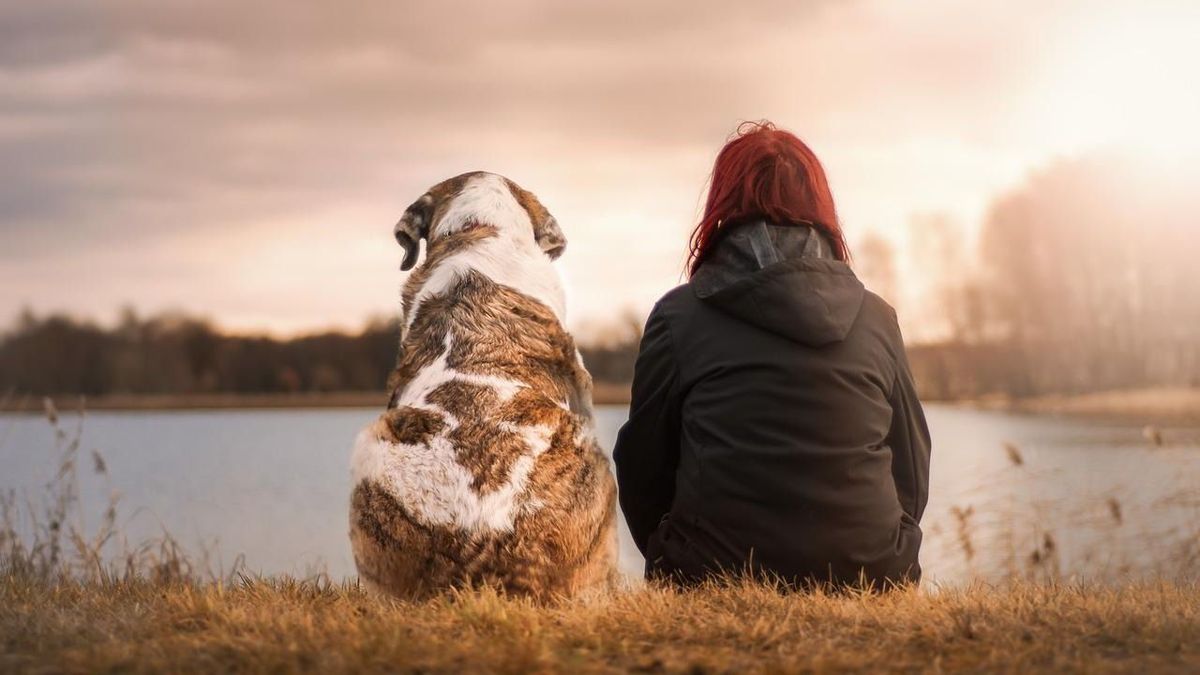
(785, 378)
(774, 424)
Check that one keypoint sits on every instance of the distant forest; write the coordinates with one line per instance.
(175, 354)
(1083, 279)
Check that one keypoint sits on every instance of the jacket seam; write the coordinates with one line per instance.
(674, 361)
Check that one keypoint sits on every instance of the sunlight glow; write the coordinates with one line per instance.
(1125, 77)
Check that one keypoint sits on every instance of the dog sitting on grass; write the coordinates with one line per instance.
(485, 469)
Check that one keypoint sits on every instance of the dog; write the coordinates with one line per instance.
(485, 469)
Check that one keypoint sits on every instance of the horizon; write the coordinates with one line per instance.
(247, 167)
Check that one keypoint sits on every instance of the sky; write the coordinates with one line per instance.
(246, 161)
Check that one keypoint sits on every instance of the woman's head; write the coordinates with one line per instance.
(769, 173)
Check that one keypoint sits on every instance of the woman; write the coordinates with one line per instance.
(774, 428)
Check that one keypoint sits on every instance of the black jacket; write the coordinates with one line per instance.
(774, 426)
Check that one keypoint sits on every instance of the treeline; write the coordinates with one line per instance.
(177, 354)
(1083, 279)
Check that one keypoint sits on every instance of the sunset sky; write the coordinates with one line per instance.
(246, 163)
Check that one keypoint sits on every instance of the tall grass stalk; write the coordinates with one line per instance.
(45, 536)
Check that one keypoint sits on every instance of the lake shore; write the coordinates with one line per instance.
(603, 394)
(281, 625)
(1178, 406)
(1164, 406)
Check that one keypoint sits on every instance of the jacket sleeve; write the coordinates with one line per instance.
(647, 447)
(910, 443)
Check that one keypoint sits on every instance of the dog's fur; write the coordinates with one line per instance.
(485, 469)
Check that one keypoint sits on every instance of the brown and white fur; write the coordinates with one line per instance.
(485, 469)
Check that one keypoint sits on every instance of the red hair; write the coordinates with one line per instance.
(768, 173)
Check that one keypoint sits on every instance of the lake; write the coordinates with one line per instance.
(1010, 494)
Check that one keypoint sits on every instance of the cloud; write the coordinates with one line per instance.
(130, 117)
(159, 132)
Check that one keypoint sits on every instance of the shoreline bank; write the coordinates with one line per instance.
(603, 394)
(1158, 406)
(1167, 406)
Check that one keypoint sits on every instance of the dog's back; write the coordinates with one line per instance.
(485, 468)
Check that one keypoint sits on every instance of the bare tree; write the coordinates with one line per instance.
(875, 260)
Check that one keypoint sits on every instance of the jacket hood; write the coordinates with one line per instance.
(782, 278)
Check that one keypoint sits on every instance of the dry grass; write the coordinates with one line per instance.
(48, 539)
(284, 626)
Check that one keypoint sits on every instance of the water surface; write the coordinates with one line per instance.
(1068, 496)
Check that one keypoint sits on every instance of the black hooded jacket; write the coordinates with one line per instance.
(774, 426)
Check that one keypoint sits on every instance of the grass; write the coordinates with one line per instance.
(81, 599)
(282, 625)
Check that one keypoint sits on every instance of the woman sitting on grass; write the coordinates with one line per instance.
(774, 429)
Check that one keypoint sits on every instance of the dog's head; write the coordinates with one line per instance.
(477, 198)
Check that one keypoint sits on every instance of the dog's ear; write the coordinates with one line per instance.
(550, 237)
(546, 231)
(412, 228)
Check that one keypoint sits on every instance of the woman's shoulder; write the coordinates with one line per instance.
(675, 304)
(878, 307)
(880, 319)
(680, 295)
